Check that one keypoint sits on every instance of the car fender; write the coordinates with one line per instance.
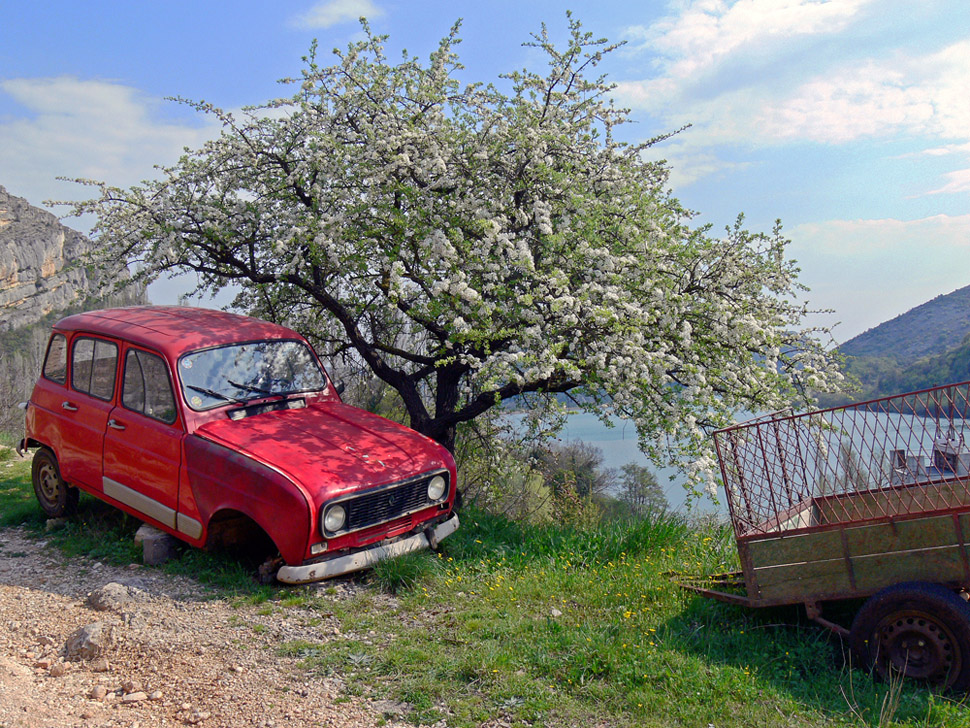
(221, 479)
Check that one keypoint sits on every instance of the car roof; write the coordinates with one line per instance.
(174, 330)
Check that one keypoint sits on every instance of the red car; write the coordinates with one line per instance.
(219, 428)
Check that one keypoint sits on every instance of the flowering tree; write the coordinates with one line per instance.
(473, 244)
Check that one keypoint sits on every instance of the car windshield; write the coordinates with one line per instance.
(241, 372)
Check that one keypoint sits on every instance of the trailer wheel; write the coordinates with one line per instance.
(918, 630)
(56, 498)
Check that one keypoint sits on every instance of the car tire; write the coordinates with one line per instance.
(57, 499)
(918, 630)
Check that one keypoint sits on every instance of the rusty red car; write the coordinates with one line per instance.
(223, 429)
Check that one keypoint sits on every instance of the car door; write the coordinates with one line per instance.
(143, 440)
(85, 408)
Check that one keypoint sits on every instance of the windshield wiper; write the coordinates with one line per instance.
(214, 393)
(258, 390)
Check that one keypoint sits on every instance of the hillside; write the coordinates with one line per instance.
(929, 329)
(42, 277)
(927, 346)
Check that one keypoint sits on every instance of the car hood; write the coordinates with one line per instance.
(330, 448)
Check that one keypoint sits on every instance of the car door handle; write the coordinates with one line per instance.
(115, 425)
(68, 406)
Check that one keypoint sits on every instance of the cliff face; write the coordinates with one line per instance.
(40, 265)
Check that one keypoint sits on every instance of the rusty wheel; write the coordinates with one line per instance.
(56, 498)
(917, 630)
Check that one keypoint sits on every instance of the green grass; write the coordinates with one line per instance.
(17, 503)
(548, 626)
(559, 626)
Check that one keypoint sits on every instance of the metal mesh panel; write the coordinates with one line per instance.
(872, 460)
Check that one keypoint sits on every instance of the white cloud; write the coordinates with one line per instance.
(869, 271)
(947, 150)
(958, 181)
(921, 96)
(84, 128)
(706, 32)
(687, 164)
(726, 67)
(333, 12)
(916, 96)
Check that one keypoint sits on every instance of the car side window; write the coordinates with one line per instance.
(55, 363)
(146, 387)
(93, 366)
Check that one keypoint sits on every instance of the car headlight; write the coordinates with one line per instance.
(334, 518)
(437, 487)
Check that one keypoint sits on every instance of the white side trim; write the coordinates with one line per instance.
(365, 558)
(188, 525)
(140, 502)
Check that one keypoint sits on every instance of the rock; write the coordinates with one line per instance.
(88, 715)
(100, 665)
(391, 708)
(38, 271)
(130, 686)
(136, 697)
(88, 642)
(58, 669)
(157, 547)
(155, 695)
(98, 692)
(196, 717)
(555, 613)
(55, 524)
(44, 664)
(110, 597)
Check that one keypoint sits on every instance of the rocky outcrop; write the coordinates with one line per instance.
(41, 265)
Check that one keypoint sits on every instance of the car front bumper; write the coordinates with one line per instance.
(365, 558)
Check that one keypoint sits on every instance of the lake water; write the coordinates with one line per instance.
(619, 447)
(872, 437)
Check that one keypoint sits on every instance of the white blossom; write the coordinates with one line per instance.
(454, 237)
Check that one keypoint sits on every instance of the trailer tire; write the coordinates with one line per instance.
(918, 630)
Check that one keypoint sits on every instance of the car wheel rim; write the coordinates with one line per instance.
(50, 486)
(917, 646)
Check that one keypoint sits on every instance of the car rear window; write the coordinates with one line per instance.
(55, 363)
(93, 366)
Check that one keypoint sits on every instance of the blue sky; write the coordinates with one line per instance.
(847, 119)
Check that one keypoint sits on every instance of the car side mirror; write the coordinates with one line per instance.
(339, 386)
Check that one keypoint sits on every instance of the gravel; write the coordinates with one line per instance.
(163, 653)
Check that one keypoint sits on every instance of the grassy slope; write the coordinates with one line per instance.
(551, 626)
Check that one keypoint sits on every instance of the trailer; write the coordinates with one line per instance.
(868, 501)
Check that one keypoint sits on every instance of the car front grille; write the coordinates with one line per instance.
(386, 504)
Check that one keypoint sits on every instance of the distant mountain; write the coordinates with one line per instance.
(927, 330)
(927, 346)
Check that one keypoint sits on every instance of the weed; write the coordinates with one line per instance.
(405, 572)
